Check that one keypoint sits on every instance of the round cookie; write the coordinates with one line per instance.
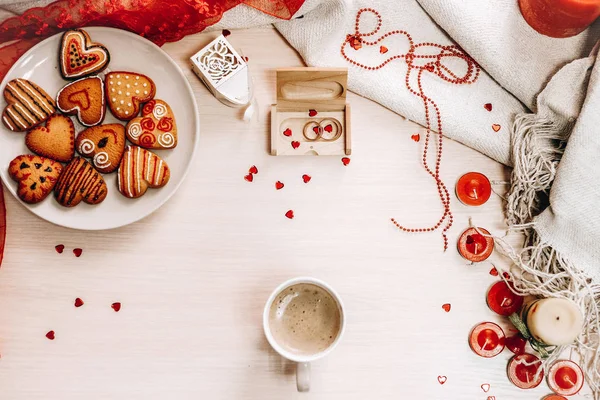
(125, 91)
(28, 105)
(79, 56)
(155, 129)
(36, 176)
(104, 144)
(85, 99)
(80, 182)
(139, 170)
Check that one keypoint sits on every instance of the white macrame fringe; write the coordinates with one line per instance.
(538, 270)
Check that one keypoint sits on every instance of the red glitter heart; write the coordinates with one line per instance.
(116, 306)
(279, 185)
(442, 379)
(496, 127)
(416, 137)
(446, 307)
(50, 335)
(77, 252)
(383, 49)
(246, 58)
(485, 387)
(328, 128)
(345, 160)
(78, 302)
(287, 132)
(488, 106)
(494, 271)
(249, 177)
(295, 144)
(306, 178)
(59, 248)
(470, 239)
(226, 32)
(506, 276)
(312, 113)
(253, 170)
(316, 129)
(290, 214)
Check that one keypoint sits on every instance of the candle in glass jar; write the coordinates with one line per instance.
(473, 189)
(502, 300)
(565, 378)
(474, 246)
(554, 321)
(525, 371)
(560, 18)
(487, 340)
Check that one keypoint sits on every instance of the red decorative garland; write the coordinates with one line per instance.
(430, 63)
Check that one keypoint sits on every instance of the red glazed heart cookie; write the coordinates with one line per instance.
(80, 181)
(155, 129)
(125, 91)
(79, 56)
(85, 99)
(36, 176)
(104, 144)
(28, 105)
(141, 169)
(55, 140)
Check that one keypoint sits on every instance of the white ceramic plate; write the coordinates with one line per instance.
(128, 52)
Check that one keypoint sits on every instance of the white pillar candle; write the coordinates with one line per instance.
(554, 321)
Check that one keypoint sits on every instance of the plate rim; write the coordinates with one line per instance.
(196, 134)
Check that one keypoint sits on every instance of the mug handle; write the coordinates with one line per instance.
(303, 377)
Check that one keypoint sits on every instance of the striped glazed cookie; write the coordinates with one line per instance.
(80, 181)
(36, 176)
(28, 105)
(139, 170)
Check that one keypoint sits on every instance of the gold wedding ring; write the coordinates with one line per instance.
(322, 131)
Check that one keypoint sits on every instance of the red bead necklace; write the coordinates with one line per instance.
(430, 63)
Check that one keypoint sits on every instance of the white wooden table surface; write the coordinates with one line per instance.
(193, 277)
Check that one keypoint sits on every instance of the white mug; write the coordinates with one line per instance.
(303, 361)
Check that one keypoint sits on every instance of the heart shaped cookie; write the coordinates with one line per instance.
(80, 181)
(36, 176)
(79, 56)
(85, 99)
(55, 140)
(155, 129)
(104, 144)
(125, 91)
(28, 105)
(139, 170)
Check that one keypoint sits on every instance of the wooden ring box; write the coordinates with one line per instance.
(300, 90)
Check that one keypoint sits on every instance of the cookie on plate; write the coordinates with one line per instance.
(55, 140)
(104, 144)
(155, 129)
(36, 176)
(125, 91)
(79, 56)
(139, 170)
(80, 182)
(28, 105)
(85, 99)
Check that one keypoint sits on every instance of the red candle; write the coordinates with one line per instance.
(487, 339)
(524, 371)
(475, 247)
(554, 397)
(565, 378)
(502, 300)
(473, 189)
(560, 18)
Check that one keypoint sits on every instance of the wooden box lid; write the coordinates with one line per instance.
(312, 87)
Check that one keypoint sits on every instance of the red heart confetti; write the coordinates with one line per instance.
(59, 248)
(316, 130)
(494, 271)
(485, 387)
(416, 137)
(246, 58)
(116, 306)
(430, 67)
(290, 214)
(446, 307)
(442, 379)
(488, 106)
(345, 160)
(470, 239)
(496, 127)
(249, 177)
(226, 32)
(295, 144)
(50, 335)
(77, 252)
(328, 128)
(253, 170)
(355, 42)
(506, 276)
(279, 185)
(287, 132)
(306, 178)
(312, 113)
(78, 302)
(383, 49)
